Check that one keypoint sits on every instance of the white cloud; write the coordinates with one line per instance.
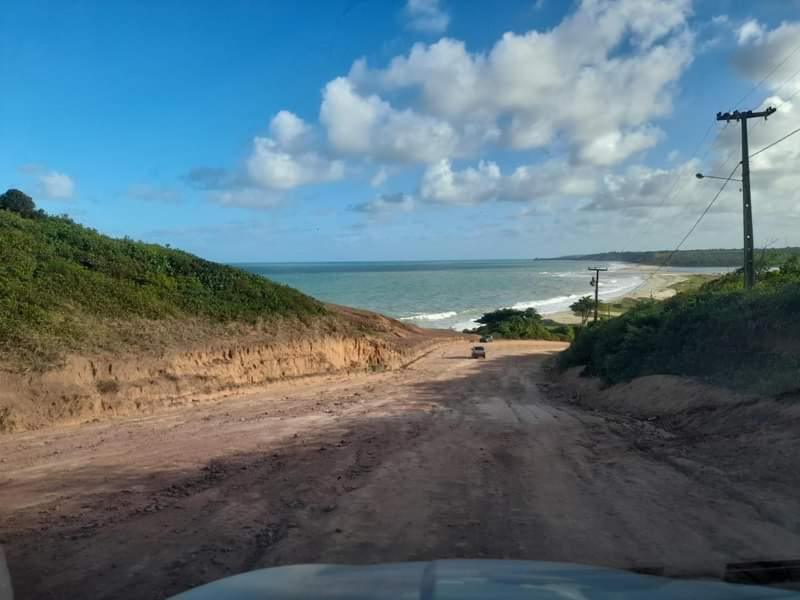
(285, 161)
(368, 125)
(426, 16)
(53, 184)
(537, 87)
(552, 180)
(546, 181)
(386, 203)
(288, 129)
(441, 184)
(749, 32)
(763, 49)
(273, 168)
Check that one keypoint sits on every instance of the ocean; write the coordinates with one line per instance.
(450, 294)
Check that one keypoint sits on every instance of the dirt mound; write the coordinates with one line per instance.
(754, 437)
(86, 387)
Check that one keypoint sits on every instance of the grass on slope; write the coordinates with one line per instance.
(64, 286)
(746, 339)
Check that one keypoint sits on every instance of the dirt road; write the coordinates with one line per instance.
(450, 457)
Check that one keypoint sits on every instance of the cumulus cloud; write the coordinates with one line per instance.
(590, 89)
(289, 130)
(441, 183)
(485, 182)
(386, 203)
(284, 161)
(761, 49)
(367, 125)
(539, 85)
(272, 167)
(426, 16)
(662, 194)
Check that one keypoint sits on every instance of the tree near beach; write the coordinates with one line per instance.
(582, 308)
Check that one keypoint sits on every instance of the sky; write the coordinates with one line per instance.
(249, 131)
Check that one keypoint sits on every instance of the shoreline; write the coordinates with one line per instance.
(657, 287)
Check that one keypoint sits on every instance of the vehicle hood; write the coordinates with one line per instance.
(467, 579)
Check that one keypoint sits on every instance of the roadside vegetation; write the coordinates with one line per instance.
(747, 339)
(528, 324)
(64, 286)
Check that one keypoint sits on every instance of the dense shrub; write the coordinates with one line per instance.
(741, 337)
(509, 323)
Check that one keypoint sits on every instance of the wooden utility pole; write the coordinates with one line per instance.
(596, 284)
(749, 268)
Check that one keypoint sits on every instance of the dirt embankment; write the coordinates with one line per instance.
(87, 387)
(703, 428)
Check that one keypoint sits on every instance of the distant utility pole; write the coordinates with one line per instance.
(749, 269)
(596, 284)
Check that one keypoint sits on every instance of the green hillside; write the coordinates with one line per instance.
(65, 286)
(714, 257)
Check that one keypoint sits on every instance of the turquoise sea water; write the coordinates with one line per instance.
(449, 294)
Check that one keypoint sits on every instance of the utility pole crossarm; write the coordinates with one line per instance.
(743, 115)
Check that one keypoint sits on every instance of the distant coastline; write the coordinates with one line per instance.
(711, 257)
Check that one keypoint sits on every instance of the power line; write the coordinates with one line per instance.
(787, 80)
(691, 229)
(694, 152)
(763, 79)
(674, 187)
(778, 141)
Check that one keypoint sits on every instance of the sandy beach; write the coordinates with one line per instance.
(657, 285)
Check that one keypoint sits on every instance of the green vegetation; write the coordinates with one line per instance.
(583, 308)
(20, 203)
(692, 282)
(747, 339)
(690, 258)
(64, 286)
(512, 324)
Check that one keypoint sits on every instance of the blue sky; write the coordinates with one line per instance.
(356, 130)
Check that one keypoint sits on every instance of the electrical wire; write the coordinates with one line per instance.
(691, 229)
(778, 141)
(763, 79)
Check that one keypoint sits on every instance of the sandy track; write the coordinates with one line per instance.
(449, 457)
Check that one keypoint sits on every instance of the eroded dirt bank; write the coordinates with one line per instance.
(106, 385)
(449, 457)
